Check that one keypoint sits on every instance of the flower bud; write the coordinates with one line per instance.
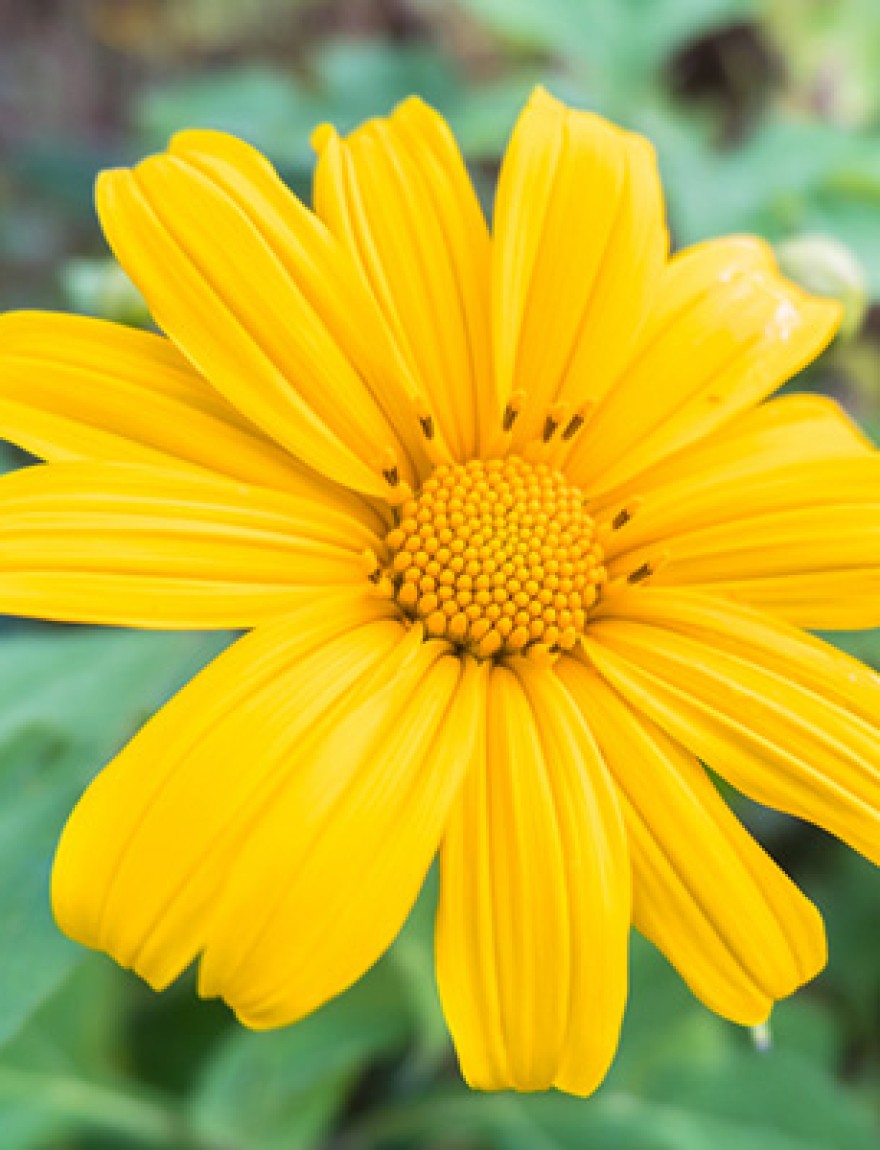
(824, 266)
(102, 289)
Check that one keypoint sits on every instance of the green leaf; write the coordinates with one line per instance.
(683, 1079)
(483, 116)
(356, 80)
(259, 103)
(831, 50)
(276, 110)
(101, 288)
(616, 49)
(864, 645)
(731, 1102)
(790, 178)
(68, 700)
(39, 1105)
(285, 1088)
(60, 1074)
(10, 458)
(848, 892)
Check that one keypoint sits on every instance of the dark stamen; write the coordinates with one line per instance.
(640, 573)
(574, 425)
(550, 425)
(509, 418)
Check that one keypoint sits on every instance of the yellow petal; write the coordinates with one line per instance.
(141, 547)
(785, 718)
(397, 193)
(534, 907)
(790, 431)
(579, 247)
(789, 560)
(727, 332)
(738, 930)
(779, 509)
(278, 816)
(828, 599)
(264, 302)
(72, 387)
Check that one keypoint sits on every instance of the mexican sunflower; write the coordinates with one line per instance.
(521, 548)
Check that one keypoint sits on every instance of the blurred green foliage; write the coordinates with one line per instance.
(766, 115)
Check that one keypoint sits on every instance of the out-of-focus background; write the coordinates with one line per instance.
(766, 115)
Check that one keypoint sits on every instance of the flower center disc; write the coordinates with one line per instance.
(499, 556)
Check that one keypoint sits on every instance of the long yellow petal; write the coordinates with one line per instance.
(836, 600)
(756, 557)
(579, 247)
(264, 302)
(780, 509)
(534, 907)
(789, 431)
(785, 718)
(397, 193)
(72, 387)
(727, 332)
(278, 816)
(141, 547)
(738, 930)
(370, 798)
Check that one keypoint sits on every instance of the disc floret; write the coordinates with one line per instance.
(498, 556)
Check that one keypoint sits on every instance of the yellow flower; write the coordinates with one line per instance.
(519, 545)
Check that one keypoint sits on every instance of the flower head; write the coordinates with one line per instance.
(519, 541)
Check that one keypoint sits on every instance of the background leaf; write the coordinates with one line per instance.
(68, 701)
